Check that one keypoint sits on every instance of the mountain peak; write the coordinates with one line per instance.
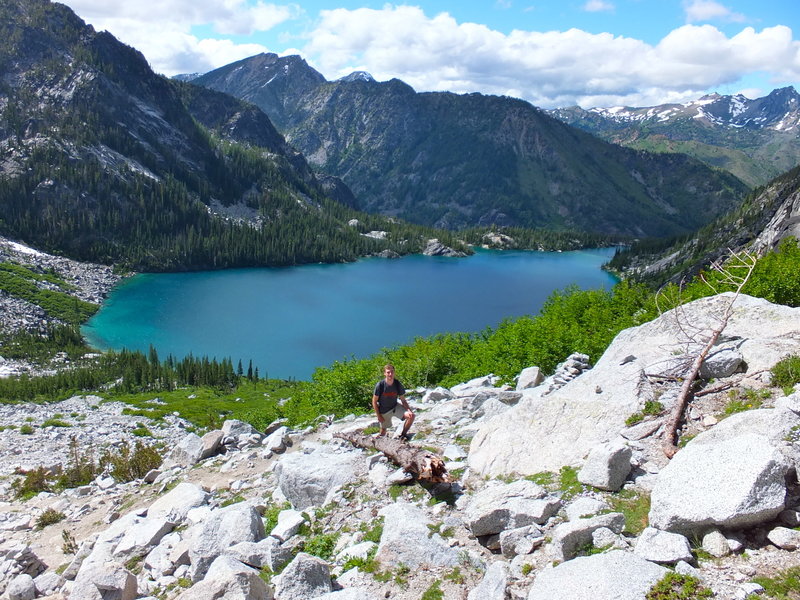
(358, 76)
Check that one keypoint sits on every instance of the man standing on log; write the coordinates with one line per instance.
(384, 402)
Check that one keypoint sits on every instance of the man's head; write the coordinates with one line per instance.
(388, 372)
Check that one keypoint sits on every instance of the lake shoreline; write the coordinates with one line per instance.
(440, 292)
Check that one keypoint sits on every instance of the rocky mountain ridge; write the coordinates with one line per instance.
(756, 139)
(460, 160)
(217, 524)
(106, 161)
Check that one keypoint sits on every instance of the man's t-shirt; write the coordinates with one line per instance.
(387, 394)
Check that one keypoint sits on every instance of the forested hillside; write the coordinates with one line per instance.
(106, 161)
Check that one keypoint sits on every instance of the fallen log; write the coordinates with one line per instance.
(421, 463)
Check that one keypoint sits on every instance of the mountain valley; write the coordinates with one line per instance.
(455, 161)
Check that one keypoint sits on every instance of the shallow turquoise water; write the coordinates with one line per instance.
(291, 320)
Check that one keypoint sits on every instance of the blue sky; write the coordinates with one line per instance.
(549, 52)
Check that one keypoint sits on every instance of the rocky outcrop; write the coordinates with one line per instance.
(540, 433)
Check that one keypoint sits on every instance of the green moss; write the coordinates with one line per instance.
(741, 400)
(434, 592)
(545, 478)
(635, 505)
(455, 576)
(783, 586)
(674, 586)
(568, 483)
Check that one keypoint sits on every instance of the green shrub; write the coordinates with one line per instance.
(54, 422)
(49, 517)
(741, 400)
(232, 500)
(651, 407)
(128, 464)
(674, 586)
(455, 576)
(776, 276)
(321, 545)
(26, 429)
(35, 481)
(68, 545)
(786, 372)
(141, 431)
(271, 515)
(81, 468)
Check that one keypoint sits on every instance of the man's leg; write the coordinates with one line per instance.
(408, 420)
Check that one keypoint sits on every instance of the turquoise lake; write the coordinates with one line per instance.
(291, 320)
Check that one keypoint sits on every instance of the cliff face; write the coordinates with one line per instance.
(768, 216)
(459, 160)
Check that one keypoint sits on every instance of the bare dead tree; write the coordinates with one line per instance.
(421, 463)
(735, 273)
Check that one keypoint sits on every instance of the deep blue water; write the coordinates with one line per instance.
(291, 320)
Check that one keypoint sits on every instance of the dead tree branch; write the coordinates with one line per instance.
(424, 465)
(735, 272)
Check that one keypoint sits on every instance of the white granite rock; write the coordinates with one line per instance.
(662, 546)
(493, 585)
(607, 466)
(223, 528)
(617, 574)
(715, 544)
(784, 538)
(498, 507)
(230, 579)
(289, 523)
(175, 505)
(407, 539)
(305, 577)
(584, 506)
(703, 487)
(539, 434)
(568, 538)
(307, 479)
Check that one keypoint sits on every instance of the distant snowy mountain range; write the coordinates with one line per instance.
(755, 139)
(779, 111)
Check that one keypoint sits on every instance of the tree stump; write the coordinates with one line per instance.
(424, 465)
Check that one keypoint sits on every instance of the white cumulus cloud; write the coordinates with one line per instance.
(709, 10)
(553, 68)
(163, 30)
